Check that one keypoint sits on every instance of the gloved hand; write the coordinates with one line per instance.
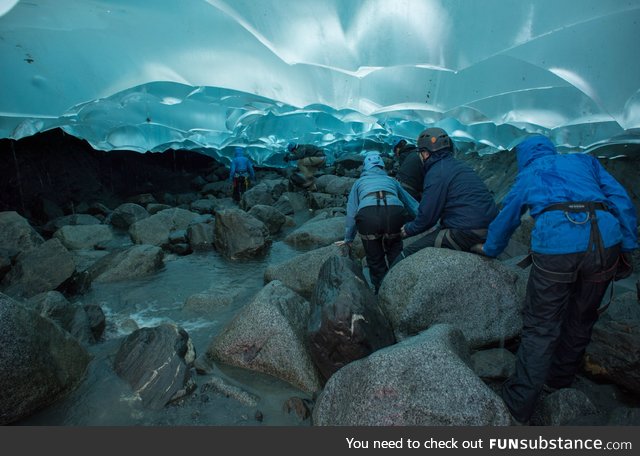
(286, 158)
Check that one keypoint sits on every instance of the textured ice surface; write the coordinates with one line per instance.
(207, 75)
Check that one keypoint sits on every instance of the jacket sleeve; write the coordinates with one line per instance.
(409, 201)
(620, 205)
(352, 209)
(507, 220)
(434, 195)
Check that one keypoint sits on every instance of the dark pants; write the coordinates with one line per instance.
(381, 221)
(455, 240)
(240, 185)
(557, 322)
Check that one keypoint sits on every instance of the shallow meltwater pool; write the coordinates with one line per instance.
(103, 399)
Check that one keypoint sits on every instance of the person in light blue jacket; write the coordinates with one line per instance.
(240, 173)
(584, 220)
(377, 208)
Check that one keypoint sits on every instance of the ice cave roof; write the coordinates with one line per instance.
(210, 74)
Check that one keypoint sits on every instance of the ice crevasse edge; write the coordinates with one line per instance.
(209, 75)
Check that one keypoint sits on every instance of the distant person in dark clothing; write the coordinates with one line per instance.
(583, 220)
(410, 168)
(240, 173)
(309, 160)
(456, 204)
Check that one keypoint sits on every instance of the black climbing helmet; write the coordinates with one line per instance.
(434, 139)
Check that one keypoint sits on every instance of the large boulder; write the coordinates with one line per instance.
(424, 380)
(16, 234)
(72, 219)
(127, 214)
(133, 262)
(480, 296)
(270, 216)
(335, 185)
(260, 194)
(76, 237)
(40, 363)
(240, 235)
(156, 363)
(317, 233)
(69, 316)
(39, 269)
(156, 229)
(300, 273)
(346, 321)
(268, 336)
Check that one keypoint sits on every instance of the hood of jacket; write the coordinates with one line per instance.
(533, 148)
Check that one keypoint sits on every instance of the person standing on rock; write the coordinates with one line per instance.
(583, 220)
(456, 206)
(240, 173)
(309, 160)
(377, 207)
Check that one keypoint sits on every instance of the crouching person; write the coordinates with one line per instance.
(377, 208)
(583, 220)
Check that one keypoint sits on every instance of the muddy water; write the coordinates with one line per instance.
(104, 399)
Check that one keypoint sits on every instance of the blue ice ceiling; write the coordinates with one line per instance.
(207, 75)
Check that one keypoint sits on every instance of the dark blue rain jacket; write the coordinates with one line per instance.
(546, 177)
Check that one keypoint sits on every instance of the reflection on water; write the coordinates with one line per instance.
(103, 399)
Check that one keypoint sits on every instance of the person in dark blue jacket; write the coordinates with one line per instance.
(456, 206)
(240, 173)
(583, 219)
(377, 207)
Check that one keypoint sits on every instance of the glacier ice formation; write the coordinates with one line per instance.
(207, 75)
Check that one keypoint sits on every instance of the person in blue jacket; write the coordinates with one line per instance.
(583, 219)
(456, 206)
(377, 207)
(240, 173)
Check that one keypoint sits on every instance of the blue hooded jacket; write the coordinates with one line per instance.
(373, 179)
(241, 165)
(546, 177)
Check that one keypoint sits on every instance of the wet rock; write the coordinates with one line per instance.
(201, 233)
(346, 321)
(319, 233)
(423, 380)
(127, 214)
(325, 200)
(290, 202)
(40, 363)
(77, 237)
(97, 320)
(268, 336)
(133, 262)
(69, 316)
(156, 363)
(156, 229)
(480, 296)
(299, 407)
(240, 235)
(270, 216)
(300, 273)
(260, 194)
(39, 269)
(203, 206)
(207, 303)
